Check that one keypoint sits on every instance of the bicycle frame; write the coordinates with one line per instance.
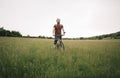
(60, 44)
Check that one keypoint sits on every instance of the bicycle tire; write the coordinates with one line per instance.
(62, 47)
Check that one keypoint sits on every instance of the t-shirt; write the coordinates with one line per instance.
(58, 28)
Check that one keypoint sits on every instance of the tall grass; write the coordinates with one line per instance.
(36, 58)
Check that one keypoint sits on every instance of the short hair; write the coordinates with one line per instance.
(57, 20)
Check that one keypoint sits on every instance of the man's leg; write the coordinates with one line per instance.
(55, 41)
(60, 40)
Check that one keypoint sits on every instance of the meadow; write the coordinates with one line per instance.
(36, 58)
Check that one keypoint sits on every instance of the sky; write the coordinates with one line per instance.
(80, 18)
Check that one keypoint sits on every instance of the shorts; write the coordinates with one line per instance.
(56, 38)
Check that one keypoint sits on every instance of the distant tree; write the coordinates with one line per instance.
(2, 32)
(16, 34)
(81, 38)
(39, 36)
(8, 33)
(100, 37)
(118, 33)
(42, 37)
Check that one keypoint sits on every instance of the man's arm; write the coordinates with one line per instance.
(53, 31)
(63, 31)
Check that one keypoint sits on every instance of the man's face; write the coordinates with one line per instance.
(58, 22)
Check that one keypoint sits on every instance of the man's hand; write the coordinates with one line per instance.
(63, 33)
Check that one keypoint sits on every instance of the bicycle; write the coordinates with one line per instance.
(60, 44)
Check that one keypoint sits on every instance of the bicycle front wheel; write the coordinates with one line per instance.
(62, 47)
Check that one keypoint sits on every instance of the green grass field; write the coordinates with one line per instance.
(36, 58)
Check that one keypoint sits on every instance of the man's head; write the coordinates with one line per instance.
(58, 20)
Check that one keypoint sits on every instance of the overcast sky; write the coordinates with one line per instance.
(80, 18)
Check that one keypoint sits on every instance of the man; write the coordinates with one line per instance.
(58, 31)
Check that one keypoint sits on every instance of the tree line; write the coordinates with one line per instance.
(4, 32)
(42, 37)
(105, 36)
